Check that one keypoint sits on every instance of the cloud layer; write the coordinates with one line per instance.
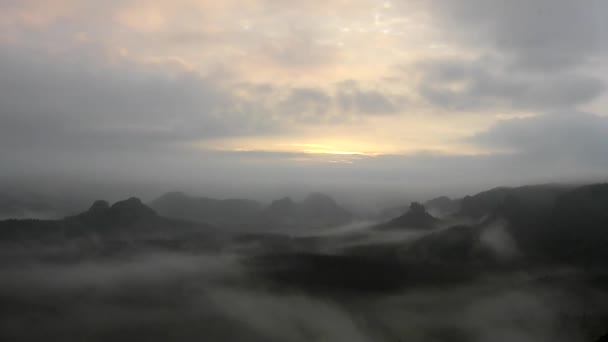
(369, 91)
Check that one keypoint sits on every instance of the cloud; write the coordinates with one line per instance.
(298, 47)
(336, 104)
(572, 140)
(343, 100)
(475, 84)
(50, 100)
(352, 98)
(306, 104)
(539, 35)
(145, 85)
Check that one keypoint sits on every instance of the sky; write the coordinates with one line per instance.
(414, 93)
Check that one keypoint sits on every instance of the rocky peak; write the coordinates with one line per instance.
(415, 217)
(99, 207)
(283, 206)
(417, 208)
(121, 213)
(131, 208)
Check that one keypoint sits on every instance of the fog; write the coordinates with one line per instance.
(168, 295)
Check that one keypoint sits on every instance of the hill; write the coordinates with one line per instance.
(415, 218)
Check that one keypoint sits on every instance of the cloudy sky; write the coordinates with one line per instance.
(410, 92)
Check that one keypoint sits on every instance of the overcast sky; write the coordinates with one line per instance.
(400, 93)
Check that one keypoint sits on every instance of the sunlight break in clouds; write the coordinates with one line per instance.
(364, 78)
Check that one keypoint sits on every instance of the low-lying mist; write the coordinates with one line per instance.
(161, 294)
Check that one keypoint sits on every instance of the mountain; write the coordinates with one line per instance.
(315, 211)
(214, 211)
(323, 210)
(550, 223)
(457, 244)
(128, 217)
(283, 208)
(533, 198)
(121, 214)
(442, 206)
(416, 218)
(439, 207)
(574, 229)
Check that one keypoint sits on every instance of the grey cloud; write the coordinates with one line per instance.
(487, 83)
(347, 97)
(539, 35)
(299, 47)
(47, 101)
(351, 97)
(571, 139)
(306, 104)
(76, 106)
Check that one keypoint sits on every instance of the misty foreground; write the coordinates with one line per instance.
(520, 264)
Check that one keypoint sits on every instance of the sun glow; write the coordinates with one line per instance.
(328, 149)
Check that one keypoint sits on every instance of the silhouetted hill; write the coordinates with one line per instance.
(315, 211)
(534, 198)
(122, 213)
(416, 217)
(576, 229)
(456, 244)
(283, 208)
(443, 206)
(202, 209)
(323, 210)
(130, 216)
(438, 207)
(550, 223)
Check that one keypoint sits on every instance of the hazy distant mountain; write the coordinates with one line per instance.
(438, 207)
(121, 214)
(536, 197)
(320, 208)
(209, 210)
(130, 217)
(416, 218)
(315, 211)
(442, 206)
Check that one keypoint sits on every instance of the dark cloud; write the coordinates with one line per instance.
(351, 97)
(347, 98)
(486, 83)
(573, 140)
(306, 104)
(48, 101)
(539, 35)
